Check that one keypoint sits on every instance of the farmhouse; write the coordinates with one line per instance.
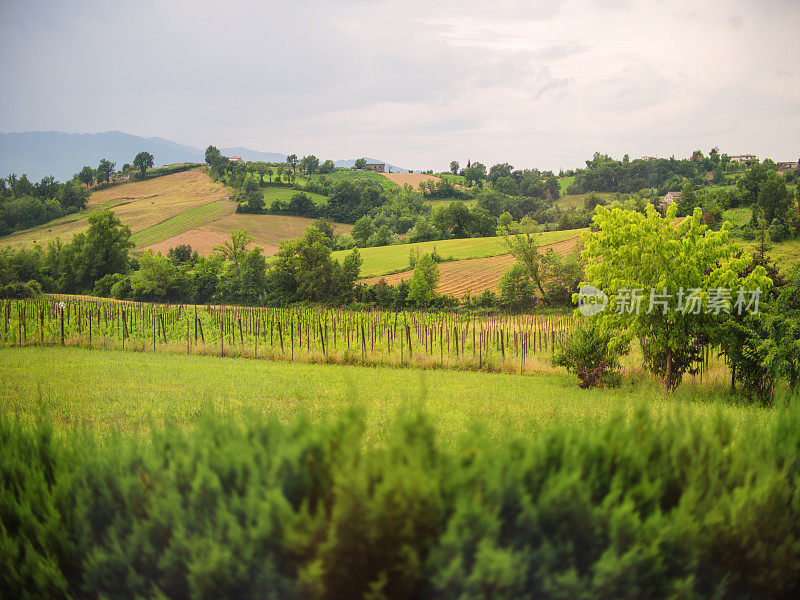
(740, 158)
(236, 159)
(377, 167)
(786, 166)
(669, 198)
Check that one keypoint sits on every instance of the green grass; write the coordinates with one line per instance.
(192, 218)
(348, 175)
(564, 183)
(738, 216)
(132, 391)
(577, 200)
(448, 201)
(457, 179)
(392, 259)
(284, 193)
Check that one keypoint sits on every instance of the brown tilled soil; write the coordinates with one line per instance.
(475, 275)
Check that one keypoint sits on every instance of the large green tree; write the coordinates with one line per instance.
(143, 161)
(104, 249)
(668, 284)
(104, 171)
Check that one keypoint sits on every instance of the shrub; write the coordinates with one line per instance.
(588, 353)
(636, 506)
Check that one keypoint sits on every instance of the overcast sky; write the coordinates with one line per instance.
(535, 83)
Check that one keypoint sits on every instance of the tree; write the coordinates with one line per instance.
(86, 176)
(522, 243)
(665, 283)
(454, 167)
(309, 164)
(475, 173)
(292, 160)
(327, 167)
(516, 289)
(104, 171)
(104, 249)
(362, 230)
(73, 196)
(422, 287)
(235, 249)
(143, 161)
(360, 163)
(499, 170)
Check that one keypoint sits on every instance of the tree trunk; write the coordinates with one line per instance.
(668, 376)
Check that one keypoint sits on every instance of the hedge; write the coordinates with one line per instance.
(636, 507)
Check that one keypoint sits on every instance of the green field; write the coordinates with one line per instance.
(132, 391)
(457, 179)
(738, 216)
(435, 203)
(349, 175)
(392, 259)
(577, 201)
(564, 183)
(284, 193)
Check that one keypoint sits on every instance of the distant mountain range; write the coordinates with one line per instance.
(42, 153)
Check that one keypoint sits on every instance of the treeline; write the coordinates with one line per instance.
(638, 505)
(24, 204)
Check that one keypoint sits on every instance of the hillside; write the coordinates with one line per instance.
(183, 208)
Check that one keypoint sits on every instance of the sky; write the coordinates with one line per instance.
(537, 83)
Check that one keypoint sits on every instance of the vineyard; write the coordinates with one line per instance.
(306, 334)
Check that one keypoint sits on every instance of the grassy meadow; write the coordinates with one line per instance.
(350, 175)
(273, 193)
(132, 391)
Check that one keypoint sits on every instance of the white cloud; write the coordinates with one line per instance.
(415, 83)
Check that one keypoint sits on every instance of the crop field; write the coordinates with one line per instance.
(385, 260)
(521, 344)
(140, 205)
(160, 235)
(350, 175)
(412, 179)
(473, 276)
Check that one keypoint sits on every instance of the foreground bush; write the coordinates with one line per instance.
(636, 508)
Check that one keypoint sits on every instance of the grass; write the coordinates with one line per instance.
(348, 175)
(564, 183)
(577, 200)
(140, 205)
(392, 259)
(271, 194)
(738, 216)
(435, 203)
(131, 391)
(457, 179)
(192, 218)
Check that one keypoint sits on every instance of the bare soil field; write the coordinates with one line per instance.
(412, 179)
(473, 276)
